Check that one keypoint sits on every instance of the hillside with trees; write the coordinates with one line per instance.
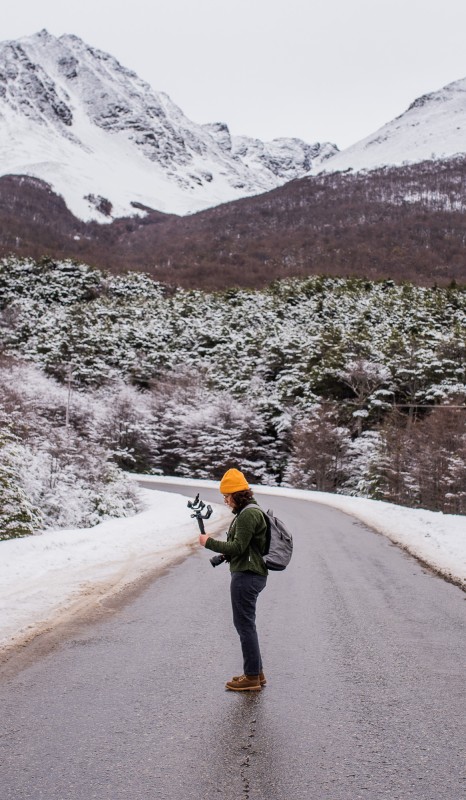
(404, 223)
(343, 385)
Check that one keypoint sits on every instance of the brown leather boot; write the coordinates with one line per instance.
(244, 683)
(262, 678)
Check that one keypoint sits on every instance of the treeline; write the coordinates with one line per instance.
(405, 222)
(412, 459)
(340, 385)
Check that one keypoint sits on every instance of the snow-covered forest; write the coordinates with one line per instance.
(340, 385)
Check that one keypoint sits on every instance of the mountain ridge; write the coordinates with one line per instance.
(76, 118)
(433, 127)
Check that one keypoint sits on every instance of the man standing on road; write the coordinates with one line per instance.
(246, 540)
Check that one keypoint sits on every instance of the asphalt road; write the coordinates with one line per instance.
(364, 651)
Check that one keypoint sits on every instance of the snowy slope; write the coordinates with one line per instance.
(73, 116)
(433, 127)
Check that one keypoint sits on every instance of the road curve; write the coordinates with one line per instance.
(364, 650)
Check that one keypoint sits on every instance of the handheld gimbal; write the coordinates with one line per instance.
(198, 507)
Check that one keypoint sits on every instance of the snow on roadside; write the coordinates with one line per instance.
(439, 540)
(43, 576)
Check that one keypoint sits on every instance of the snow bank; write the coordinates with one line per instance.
(437, 539)
(42, 577)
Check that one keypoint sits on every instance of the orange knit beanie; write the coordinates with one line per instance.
(233, 481)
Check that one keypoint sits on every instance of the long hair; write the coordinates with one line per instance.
(241, 499)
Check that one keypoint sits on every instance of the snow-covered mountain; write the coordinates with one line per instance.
(105, 140)
(433, 127)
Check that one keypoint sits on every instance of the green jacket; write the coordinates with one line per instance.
(246, 540)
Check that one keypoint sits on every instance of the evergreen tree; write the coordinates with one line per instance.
(18, 517)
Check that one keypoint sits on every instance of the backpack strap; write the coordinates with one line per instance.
(251, 544)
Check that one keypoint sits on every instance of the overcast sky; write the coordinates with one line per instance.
(322, 70)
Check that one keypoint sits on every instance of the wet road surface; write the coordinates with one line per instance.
(365, 655)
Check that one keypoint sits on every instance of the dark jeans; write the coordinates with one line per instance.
(245, 588)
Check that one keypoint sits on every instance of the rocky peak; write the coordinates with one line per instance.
(27, 88)
(220, 133)
(101, 117)
(286, 158)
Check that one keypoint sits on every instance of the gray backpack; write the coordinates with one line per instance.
(279, 541)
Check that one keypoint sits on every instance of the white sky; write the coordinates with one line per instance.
(322, 70)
